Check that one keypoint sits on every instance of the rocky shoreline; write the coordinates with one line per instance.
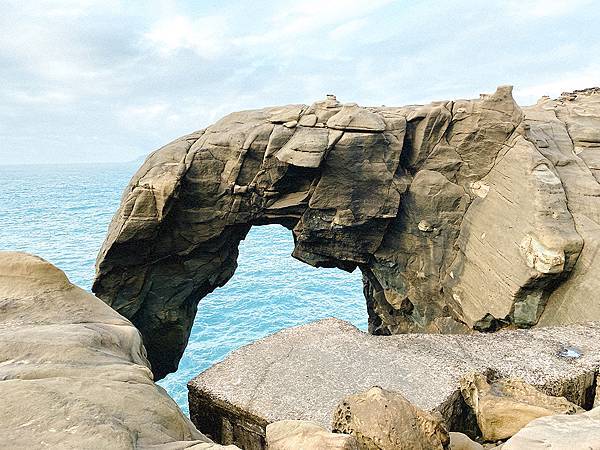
(464, 217)
(303, 372)
(74, 373)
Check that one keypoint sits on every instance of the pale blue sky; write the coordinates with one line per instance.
(109, 80)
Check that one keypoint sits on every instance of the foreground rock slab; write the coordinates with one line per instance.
(304, 372)
(305, 435)
(73, 372)
(506, 405)
(385, 420)
(580, 431)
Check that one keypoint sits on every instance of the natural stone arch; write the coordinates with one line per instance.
(409, 195)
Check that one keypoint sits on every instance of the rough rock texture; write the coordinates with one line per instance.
(385, 420)
(305, 435)
(303, 373)
(580, 431)
(504, 406)
(462, 215)
(73, 373)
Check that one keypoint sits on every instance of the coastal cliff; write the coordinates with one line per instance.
(462, 215)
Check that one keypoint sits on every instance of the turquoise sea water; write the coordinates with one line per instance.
(62, 213)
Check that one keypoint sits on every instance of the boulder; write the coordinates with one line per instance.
(561, 432)
(74, 373)
(385, 420)
(504, 406)
(306, 435)
(462, 215)
(460, 441)
(304, 372)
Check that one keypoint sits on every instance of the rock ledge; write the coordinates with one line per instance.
(303, 372)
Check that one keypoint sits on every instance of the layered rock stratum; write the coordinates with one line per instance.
(74, 373)
(462, 215)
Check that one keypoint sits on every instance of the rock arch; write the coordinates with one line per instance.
(455, 212)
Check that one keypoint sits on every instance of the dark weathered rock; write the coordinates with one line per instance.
(462, 215)
(73, 372)
(304, 372)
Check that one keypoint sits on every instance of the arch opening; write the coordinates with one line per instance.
(269, 291)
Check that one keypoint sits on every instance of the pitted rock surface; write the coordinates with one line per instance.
(385, 420)
(462, 215)
(504, 406)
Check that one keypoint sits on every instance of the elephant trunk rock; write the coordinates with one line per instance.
(462, 215)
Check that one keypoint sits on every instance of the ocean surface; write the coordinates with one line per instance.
(62, 212)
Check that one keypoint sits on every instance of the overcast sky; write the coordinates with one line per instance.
(108, 80)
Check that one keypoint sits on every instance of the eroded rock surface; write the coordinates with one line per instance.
(462, 215)
(304, 372)
(73, 372)
(504, 406)
(385, 420)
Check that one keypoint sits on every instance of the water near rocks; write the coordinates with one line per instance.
(61, 213)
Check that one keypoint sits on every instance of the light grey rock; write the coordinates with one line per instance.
(355, 118)
(306, 148)
(580, 431)
(506, 405)
(73, 372)
(385, 420)
(462, 215)
(303, 372)
(460, 441)
(305, 435)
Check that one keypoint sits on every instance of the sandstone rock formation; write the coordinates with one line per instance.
(73, 372)
(306, 435)
(462, 215)
(385, 420)
(579, 431)
(506, 405)
(460, 441)
(303, 373)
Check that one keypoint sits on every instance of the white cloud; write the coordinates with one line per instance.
(296, 27)
(310, 15)
(75, 8)
(207, 36)
(45, 97)
(347, 29)
(141, 72)
(566, 82)
(545, 8)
